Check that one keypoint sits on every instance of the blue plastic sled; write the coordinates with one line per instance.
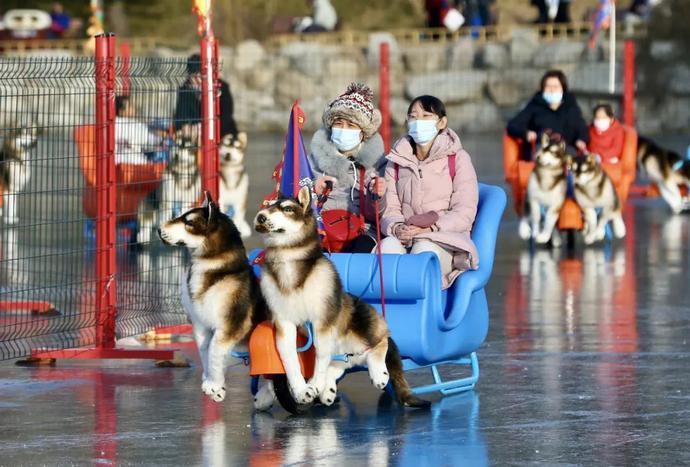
(431, 326)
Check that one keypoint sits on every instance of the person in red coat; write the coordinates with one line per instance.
(606, 135)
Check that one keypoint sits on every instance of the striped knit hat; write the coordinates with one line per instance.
(355, 106)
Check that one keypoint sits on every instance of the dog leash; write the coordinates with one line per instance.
(379, 254)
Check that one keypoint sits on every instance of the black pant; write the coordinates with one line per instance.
(361, 244)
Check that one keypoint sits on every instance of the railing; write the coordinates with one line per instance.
(85, 46)
(501, 33)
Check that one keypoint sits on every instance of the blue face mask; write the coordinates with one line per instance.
(552, 97)
(345, 138)
(422, 131)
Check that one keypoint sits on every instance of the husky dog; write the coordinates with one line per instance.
(300, 284)
(547, 186)
(14, 170)
(179, 190)
(234, 181)
(665, 168)
(225, 301)
(594, 190)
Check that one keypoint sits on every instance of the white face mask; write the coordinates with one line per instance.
(602, 124)
(345, 138)
(422, 131)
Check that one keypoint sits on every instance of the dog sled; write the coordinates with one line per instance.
(431, 327)
(517, 172)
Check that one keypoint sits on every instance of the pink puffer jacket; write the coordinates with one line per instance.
(424, 186)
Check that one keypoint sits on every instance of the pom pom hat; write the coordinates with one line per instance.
(356, 106)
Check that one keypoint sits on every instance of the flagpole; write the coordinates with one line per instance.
(295, 152)
(612, 49)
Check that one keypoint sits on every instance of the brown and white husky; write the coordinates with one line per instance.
(665, 168)
(595, 190)
(301, 285)
(14, 170)
(234, 181)
(220, 292)
(180, 187)
(547, 187)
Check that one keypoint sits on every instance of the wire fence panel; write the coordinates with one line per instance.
(157, 153)
(49, 204)
(46, 275)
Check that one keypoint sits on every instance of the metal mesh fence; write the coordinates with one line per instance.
(46, 276)
(50, 197)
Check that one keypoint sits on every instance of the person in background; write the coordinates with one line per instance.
(188, 108)
(60, 21)
(435, 11)
(324, 18)
(606, 135)
(432, 192)
(133, 139)
(552, 109)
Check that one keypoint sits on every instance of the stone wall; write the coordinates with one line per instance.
(481, 84)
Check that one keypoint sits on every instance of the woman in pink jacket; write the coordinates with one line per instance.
(432, 192)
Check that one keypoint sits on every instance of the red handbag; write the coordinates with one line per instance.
(343, 226)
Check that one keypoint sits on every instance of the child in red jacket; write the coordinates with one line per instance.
(606, 135)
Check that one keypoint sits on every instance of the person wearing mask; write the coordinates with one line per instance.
(552, 109)
(606, 135)
(432, 192)
(347, 158)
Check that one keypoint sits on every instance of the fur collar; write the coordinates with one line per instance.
(327, 160)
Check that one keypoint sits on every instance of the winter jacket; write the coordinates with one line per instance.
(325, 159)
(608, 144)
(424, 186)
(188, 108)
(537, 116)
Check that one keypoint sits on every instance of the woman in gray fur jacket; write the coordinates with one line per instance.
(348, 142)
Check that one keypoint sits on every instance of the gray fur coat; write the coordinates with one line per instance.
(325, 159)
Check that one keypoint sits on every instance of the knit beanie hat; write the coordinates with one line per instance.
(355, 106)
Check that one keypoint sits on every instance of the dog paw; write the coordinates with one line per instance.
(214, 390)
(328, 395)
(543, 238)
(264, 399)
(524, 230)
(306, 395)
(380, 379)
(590, 239)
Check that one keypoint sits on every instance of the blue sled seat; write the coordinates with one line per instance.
(431, 326)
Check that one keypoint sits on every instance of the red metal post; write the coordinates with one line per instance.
(629, 84)
(106, 191)
(210, 121)
(384, 94)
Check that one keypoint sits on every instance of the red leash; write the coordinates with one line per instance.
(380, 256)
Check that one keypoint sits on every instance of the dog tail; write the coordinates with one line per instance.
(400, 385)
(618, 226)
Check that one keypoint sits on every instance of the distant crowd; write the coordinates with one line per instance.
(39, 24)
(453, 14)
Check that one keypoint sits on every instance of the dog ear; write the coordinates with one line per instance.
(304, 198)
(242, 139)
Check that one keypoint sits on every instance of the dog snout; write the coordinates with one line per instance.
(261, 219)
